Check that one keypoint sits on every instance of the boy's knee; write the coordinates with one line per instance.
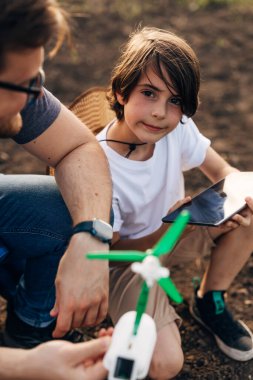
(166, 368)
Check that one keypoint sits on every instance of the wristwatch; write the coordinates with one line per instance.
(97, 228)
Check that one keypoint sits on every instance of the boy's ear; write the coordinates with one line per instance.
(120, 99)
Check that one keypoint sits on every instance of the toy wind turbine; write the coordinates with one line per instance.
(147, 263)
(136, 331)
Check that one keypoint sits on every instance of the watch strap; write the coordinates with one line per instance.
(87, 226)
(83, 227)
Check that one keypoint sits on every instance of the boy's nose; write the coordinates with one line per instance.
(159, 112)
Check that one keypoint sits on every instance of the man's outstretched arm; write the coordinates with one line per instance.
(55, 360)
(82, 174)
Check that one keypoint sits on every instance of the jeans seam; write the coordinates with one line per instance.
(35, 231)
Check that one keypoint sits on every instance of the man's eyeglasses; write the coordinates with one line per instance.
(33, 89)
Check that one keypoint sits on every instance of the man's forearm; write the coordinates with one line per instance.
(85, 183)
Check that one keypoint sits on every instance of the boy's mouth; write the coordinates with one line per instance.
(152, 127)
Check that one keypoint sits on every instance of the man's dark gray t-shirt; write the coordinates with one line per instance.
(37, 117)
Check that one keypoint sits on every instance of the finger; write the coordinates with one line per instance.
(110, 331)
(230, 225)
(183, 201)
(79, 318)
(234, 225)
(101, 333)
(91, 350)
(180, 203)
(190, 228)
(97, 372)
(55, 310)
(243, 221)
(246, 214)
(105, 332)
(102, 312)
(91, 316)
(249, 202)
(225, 227)
(63, 324)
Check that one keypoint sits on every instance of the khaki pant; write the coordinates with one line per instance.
(125, 285)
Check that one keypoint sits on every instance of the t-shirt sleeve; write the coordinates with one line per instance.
(37, 117)
(194, 145)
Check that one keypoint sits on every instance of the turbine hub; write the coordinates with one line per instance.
(150, 269)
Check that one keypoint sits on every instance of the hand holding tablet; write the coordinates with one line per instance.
(218, 203)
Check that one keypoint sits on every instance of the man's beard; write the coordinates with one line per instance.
(10, 127)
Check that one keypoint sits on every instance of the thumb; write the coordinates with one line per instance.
(91, 350)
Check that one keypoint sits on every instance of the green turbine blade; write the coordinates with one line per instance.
(170, 289)
(169, 239)
(117, 255)
(141, 306)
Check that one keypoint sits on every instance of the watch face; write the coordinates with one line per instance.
(103, 229)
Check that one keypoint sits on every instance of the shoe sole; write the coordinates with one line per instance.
(241, 356)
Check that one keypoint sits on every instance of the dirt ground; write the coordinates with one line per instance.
(222, 38)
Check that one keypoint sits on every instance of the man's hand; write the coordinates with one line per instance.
(59, 360)
(82, 286)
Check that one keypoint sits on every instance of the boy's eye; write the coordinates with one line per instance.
(148, 93)
(176, 100)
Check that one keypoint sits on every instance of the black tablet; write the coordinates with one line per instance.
(219, 202)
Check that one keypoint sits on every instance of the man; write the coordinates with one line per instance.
(36, 215)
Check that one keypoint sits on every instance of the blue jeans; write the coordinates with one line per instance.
(35, 227)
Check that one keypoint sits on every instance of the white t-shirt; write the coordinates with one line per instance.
(143, 191)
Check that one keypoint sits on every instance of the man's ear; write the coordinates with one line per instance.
(120, 99)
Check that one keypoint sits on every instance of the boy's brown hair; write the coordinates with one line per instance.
(28, 24)
(156, 48)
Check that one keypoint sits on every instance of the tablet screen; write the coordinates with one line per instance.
(219, 202)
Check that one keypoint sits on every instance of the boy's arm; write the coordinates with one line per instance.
(82, 174)
(215, 167)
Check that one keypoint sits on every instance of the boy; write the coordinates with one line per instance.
(154, 93)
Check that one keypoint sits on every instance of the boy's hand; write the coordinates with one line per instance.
(243, 219)
(245, 216)
(187, 199)
(179, 203)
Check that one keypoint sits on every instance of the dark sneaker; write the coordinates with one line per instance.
(232, 337)
(18, 334)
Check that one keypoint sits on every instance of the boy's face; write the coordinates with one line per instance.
(19, 68)
(152, 110)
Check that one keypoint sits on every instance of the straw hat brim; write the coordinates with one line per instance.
(93, 109)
